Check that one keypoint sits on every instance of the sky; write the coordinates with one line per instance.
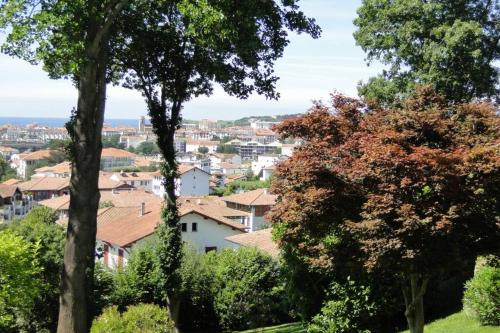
(309, 70)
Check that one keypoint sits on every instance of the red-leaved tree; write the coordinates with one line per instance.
(409, 192)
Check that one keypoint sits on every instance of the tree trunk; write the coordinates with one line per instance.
(169, 234)
(414, 287)
(76, 310)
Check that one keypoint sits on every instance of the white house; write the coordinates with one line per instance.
(192, 181)
(143, 180)
(119, 229)
(232, 169)
(23, 162)
(264, 161)
(7, 152)
(218, 158)
(193, 145)
(112, 158)
(12, 203)
(257, 203)
(62, 169)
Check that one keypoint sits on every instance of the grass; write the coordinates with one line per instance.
(458, 323)
(286, 328)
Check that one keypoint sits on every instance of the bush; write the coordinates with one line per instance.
(347, 310)
(197, 311)
(38, 228)
(139, 281)
(20, 281)
(482, 296)
(141, 318)
(247, 290)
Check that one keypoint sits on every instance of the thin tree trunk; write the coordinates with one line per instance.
(170, 249)
(76, 310)
(414, 287)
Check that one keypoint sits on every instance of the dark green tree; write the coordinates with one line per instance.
(176, 50)
(202, 150)
(226, 149)
(147, 148)
(6, 172)
(450, 44)
(71, 39)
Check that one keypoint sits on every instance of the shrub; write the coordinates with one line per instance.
(247, 290)
(139, 280)
(348, 308)
(38, 228)
(482, 296)
(20, 281)
(197, 311)
(141, 318)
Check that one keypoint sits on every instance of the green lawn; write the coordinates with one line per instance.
(286, 328)
(458, 323)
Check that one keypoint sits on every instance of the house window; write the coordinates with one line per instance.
(194, 227)
(184, 227)
(210, 248)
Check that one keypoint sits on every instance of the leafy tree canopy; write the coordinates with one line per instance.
(410, 192)
(452, 45)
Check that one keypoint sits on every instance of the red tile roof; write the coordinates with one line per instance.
(261, 239)
(258, 197)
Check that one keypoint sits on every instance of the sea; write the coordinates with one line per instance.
(59, 122)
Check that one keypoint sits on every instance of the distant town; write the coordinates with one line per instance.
(231, 158)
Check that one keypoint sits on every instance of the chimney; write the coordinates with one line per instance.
(198, 202)
(265, 191)
(143, 208)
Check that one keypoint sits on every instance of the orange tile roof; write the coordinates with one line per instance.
(127, 198)
(124, 226)
(261, 239)
(115, 152)
(7, 191)
(45, 184)
(182, 169)
(225, 165)
(36, 155)
(258, 197)
(7, 149)
(11, 181)
(63, 167)
(125, 176)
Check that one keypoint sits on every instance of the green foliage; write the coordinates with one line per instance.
(197, 311)
(106, 204)
(112, 142)
(39, 229)
(202, 150)
(247, 290)
(147, 148)
(6, 172)
(482, 296)
(20, 281)
(458, 323)
(226, 149)
(40, 215)
(139, 281)
(103, 288)
(244, 185)
(347, 309)
(450, 45)
(141, 318)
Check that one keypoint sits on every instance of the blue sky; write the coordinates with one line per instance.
(310, 70)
